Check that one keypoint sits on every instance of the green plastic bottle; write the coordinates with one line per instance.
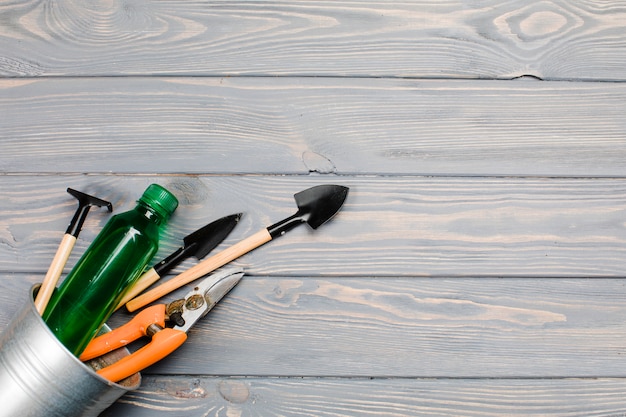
(110, 265)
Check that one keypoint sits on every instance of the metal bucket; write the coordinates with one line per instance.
(40, 377)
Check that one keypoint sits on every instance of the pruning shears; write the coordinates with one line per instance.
(166, 324)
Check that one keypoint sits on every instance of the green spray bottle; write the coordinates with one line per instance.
(110, 265)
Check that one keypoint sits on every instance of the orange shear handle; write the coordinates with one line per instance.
(125, 334)
(163, 343)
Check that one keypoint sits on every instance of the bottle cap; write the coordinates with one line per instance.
(160, 199)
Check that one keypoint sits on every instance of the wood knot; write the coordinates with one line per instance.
(315, 162)
(235, 392)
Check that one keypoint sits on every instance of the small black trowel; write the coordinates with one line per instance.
(316, 205)
(197, 244)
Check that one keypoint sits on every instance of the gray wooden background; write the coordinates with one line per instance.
(478, 265)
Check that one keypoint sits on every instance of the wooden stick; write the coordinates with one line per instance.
(54, 272)
(210, 264)
(148, 278)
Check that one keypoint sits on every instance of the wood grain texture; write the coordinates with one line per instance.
(477, 267)
(389, 226)
(215, 396)
(410, 327)
(301, 126)
(426, 39)
(399, 328)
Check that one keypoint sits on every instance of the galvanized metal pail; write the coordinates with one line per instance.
(39, 377)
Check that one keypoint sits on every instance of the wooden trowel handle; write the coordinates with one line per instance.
(210, 264)
(145, 280)
(54, 272)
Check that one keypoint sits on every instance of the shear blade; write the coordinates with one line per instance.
(205, 295)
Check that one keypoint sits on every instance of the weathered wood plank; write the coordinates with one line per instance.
(215, 396)
(451, 39)
(462, 181)
(389, 226)
(297, 126)
(410, 327)
(398, 327)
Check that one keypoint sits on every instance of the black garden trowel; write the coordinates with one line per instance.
(197, 244)
(316, 206)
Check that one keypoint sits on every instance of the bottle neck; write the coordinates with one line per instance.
(150, 213)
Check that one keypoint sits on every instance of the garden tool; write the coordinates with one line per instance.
(316, 206)
(166, 325)
(85, 202)
(197, 244)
